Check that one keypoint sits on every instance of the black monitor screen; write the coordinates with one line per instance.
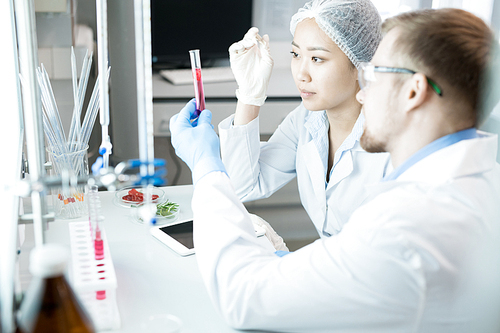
(178, 26)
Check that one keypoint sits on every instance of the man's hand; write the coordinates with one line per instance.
(196, 142)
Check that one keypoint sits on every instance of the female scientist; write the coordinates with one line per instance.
(318, 142)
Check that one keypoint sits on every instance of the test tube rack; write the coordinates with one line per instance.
(89, 277)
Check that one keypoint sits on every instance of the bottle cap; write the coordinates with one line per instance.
(48, 260)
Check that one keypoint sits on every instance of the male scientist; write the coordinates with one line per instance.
(414, 257)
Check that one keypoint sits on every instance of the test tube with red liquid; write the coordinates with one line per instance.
(95, 218)
(197, 80)
(98, 244)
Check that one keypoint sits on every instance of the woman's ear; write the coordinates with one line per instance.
(417, 92)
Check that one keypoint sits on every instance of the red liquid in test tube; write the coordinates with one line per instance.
(100, 295)
(98, 245)
(199, 92)
(200, 101)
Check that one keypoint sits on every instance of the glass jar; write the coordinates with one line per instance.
(50, 304)
(69, 201)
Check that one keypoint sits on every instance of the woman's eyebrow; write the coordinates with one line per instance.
(312, 48)
(317, 48)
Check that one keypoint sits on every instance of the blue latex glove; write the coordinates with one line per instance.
(196, 143)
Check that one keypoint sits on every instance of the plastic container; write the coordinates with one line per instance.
(94, 279)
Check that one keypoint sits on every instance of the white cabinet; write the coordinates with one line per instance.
(271, 115)
(169, 99)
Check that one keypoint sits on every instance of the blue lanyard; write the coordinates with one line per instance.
(432, 147)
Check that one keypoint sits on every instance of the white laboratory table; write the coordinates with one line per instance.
(152, 279)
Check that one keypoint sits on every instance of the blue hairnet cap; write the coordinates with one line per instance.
(354, 25)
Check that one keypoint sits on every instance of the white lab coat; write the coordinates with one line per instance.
(257, 169)
(403, 263)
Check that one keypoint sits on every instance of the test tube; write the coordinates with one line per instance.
(94, 219)
(197, 80)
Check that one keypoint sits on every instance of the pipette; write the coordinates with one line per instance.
(197, 80)
(102, 66)
(106, 146)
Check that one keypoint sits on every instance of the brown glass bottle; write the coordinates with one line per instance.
(50, 305)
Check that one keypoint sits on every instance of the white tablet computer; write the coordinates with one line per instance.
(179, 236)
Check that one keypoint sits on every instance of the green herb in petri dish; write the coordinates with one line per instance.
(166, 209)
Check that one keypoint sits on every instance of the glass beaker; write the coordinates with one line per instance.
(69, 201)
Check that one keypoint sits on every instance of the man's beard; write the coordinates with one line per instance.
(370, 143)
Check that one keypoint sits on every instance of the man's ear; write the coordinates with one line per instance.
(417, 92)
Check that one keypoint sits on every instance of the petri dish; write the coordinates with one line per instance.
(122, 199)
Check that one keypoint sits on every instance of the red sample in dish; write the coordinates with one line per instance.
(136, 196)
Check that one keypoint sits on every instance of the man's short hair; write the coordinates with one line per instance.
(452, 47)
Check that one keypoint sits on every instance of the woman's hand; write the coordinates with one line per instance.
(252, 64)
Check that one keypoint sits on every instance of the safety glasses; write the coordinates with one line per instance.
(366, 75)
